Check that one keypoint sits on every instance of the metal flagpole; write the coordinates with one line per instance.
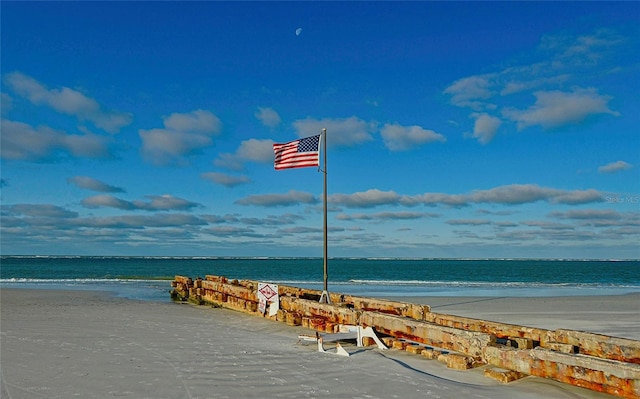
(325, 298)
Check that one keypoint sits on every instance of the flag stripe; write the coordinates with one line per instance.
(297, 154)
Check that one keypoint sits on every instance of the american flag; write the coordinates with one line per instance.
(298, 153)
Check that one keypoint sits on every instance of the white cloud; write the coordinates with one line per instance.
(256, 150)
(291, 198)
(107, 201)
(21, 141)
(525, 82)
(231, 231)
(40, 210)
(384, 216)
(576, 197)
(225, 179)
(402, 138)
(253, 150)
(182, 135)
(527, 193)
(346, 132)
(268, 117)
(468, 222)
(229, 161)
(454, 200)
(166, 202)
(546, 225)
(68, 101)
(198, 121)
(300, 230)
(581, 50)
(614, 167)
(157, 203)
(555, 108)
(467, 92)
(590, 215)
(92, 184)
(514, 194)
(142, 221)
(366, 199)
(485, 127)
(558, 62)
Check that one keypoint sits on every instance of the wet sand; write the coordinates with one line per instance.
(65, 344)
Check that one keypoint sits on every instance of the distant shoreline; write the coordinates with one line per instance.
(213, 257)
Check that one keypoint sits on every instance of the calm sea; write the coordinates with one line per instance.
(148, 278)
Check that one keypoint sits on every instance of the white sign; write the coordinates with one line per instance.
(268, 293)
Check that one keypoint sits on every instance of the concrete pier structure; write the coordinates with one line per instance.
(507, 351)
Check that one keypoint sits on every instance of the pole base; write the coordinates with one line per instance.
(325, 298)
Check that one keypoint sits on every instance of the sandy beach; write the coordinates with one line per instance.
(65, 344)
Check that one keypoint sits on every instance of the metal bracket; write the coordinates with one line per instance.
(345, 332)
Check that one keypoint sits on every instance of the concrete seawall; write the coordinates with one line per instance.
(506, 351)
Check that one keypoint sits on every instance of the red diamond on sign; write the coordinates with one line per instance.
(268, 292)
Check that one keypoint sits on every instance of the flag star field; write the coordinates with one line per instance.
(454, 129)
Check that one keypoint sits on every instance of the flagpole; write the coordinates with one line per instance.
(325, 298)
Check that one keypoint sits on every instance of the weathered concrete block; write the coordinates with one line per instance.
(502, 375)
(330, 313)
(406, 309)
(467, 342)
(460, 362)
(368, 341)
(317, 323)
(183, 280)
(500, 330)
(230, 290)
(249, 284)
(251, 306)
(558, 347)
(521, 343)
(430, 353)
(400, 345)
(330, 327)
(388, 341)
(304, 293)
(415, 349)
(622, 349)
(602, 375)
(218, 279)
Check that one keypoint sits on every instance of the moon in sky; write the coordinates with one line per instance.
(298, 31)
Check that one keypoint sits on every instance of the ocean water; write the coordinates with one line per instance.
(148, 278)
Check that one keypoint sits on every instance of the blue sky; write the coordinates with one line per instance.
(454, 129)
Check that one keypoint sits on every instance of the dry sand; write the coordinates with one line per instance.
(66, 344)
